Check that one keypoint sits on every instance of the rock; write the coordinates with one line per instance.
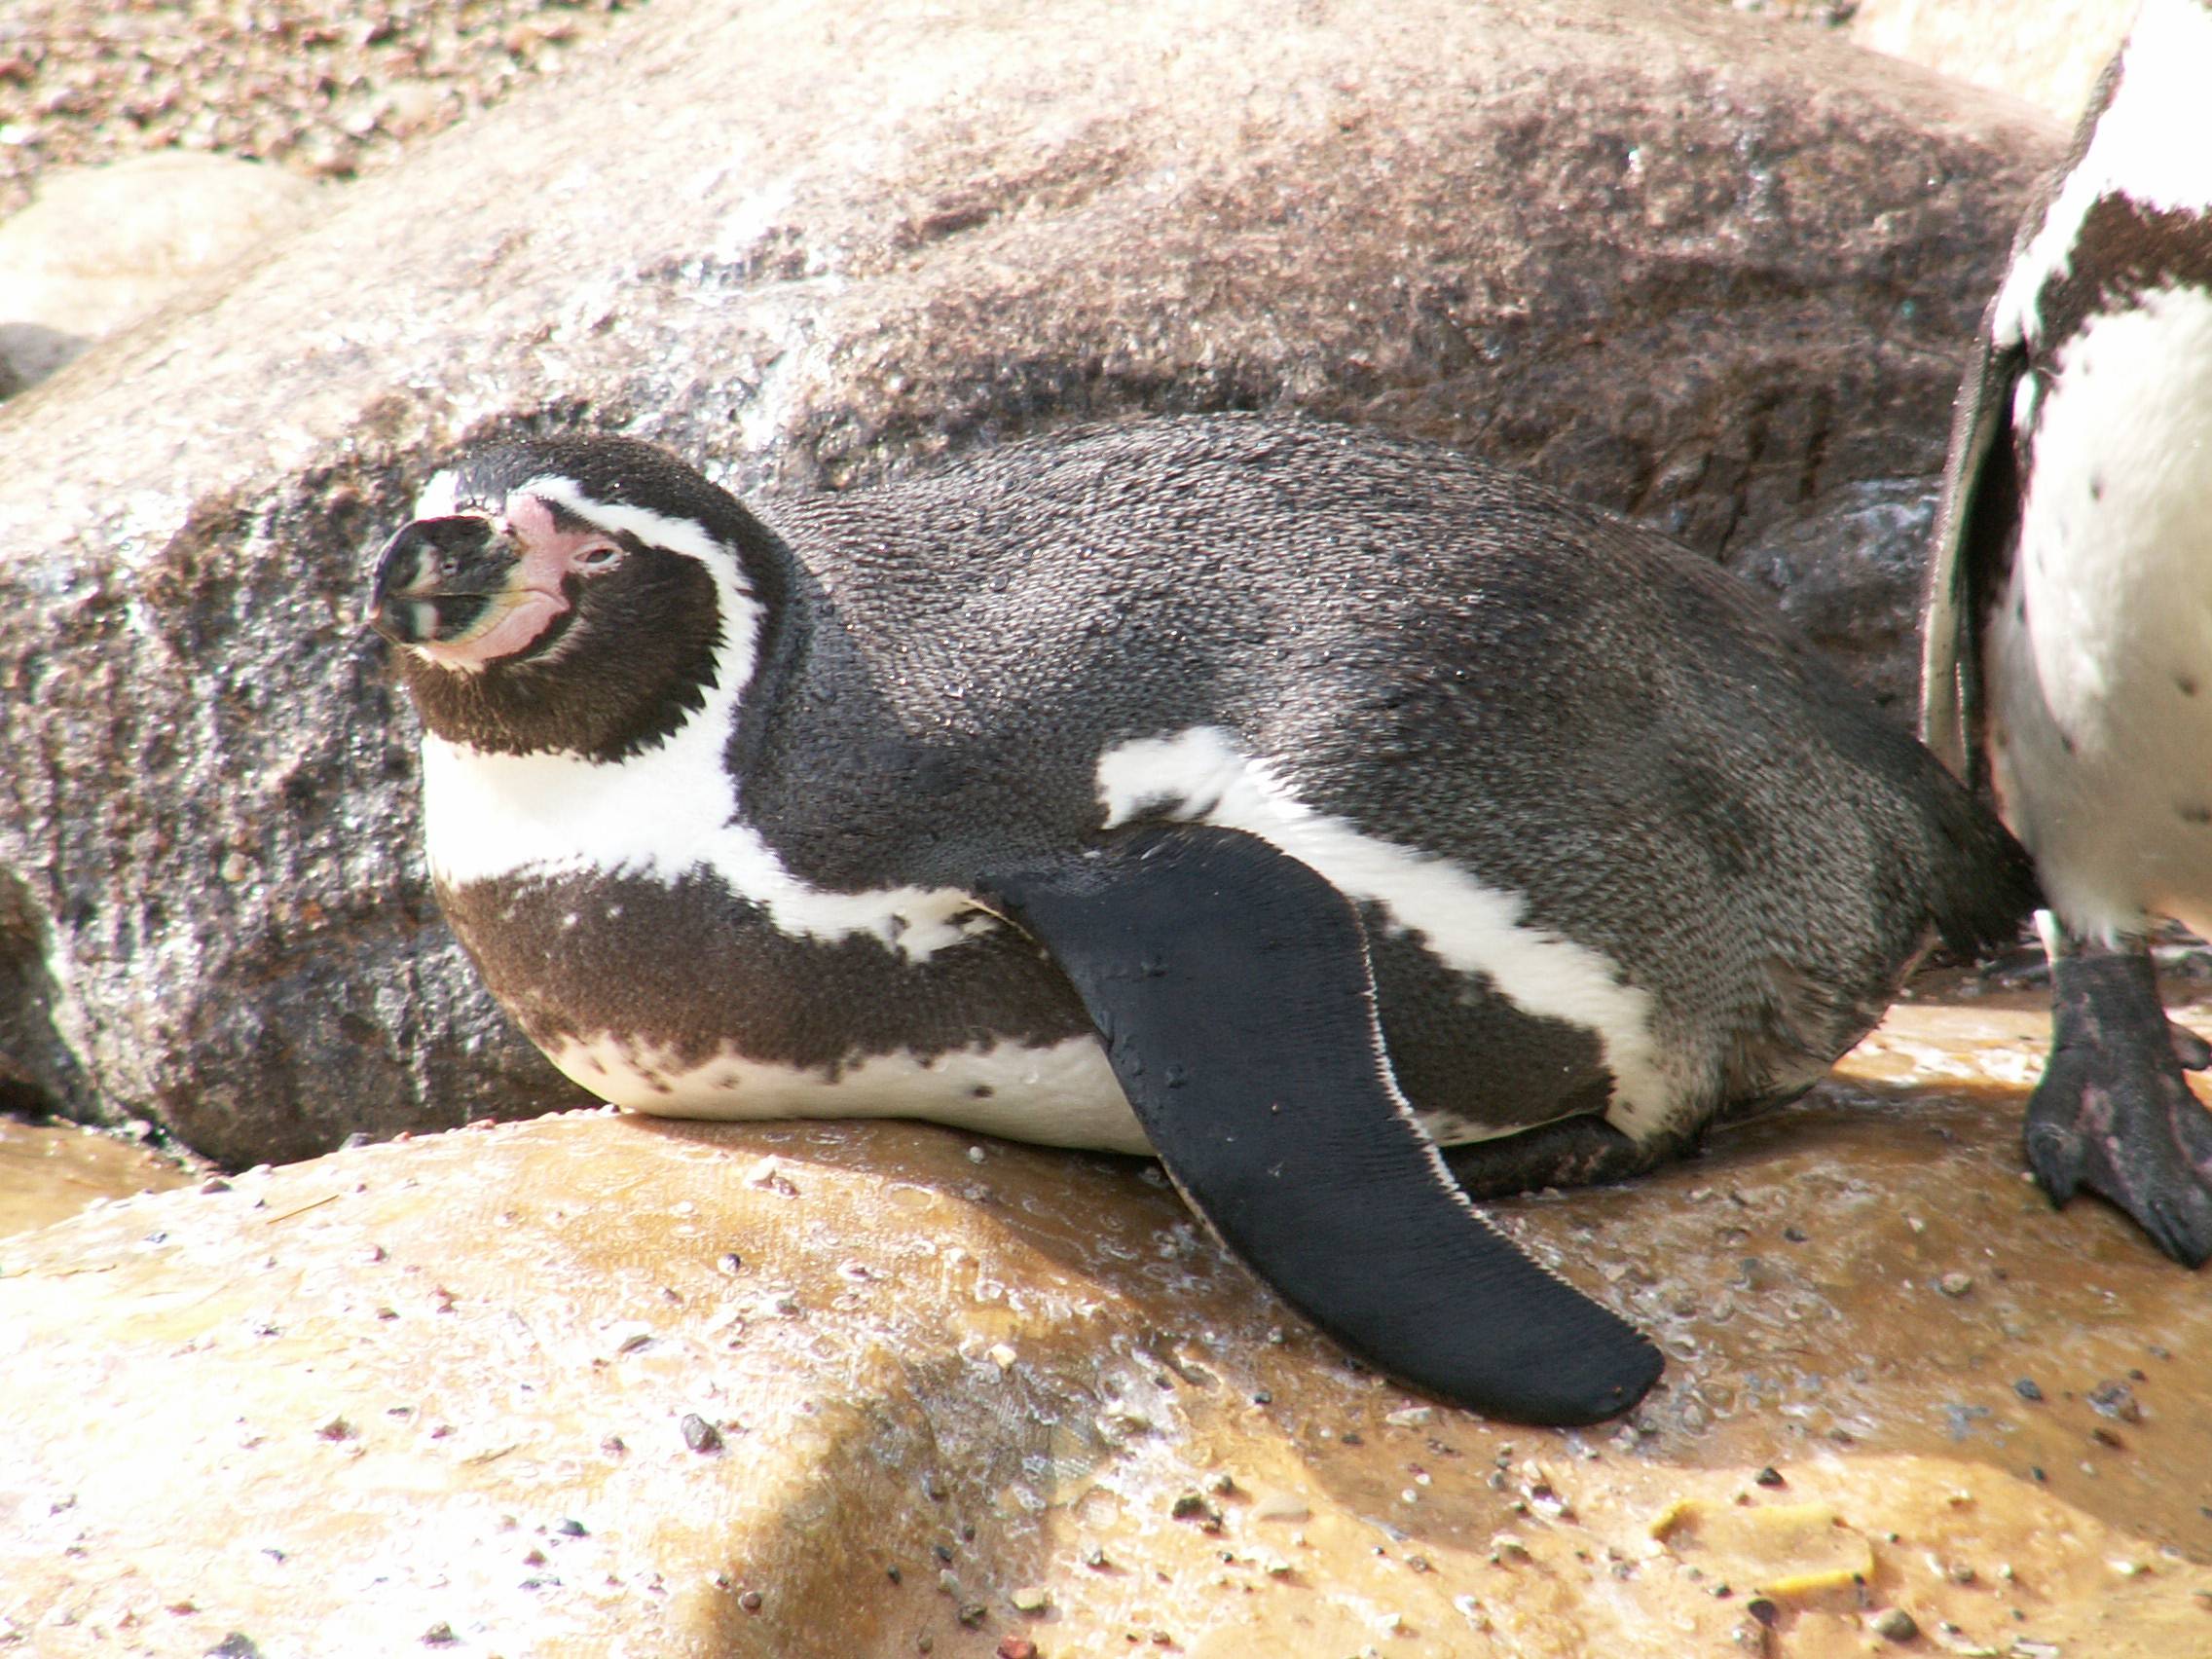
(518, 1473)
(1711, 275)
(48, 1174)
(322, 86)
(102, 248)
(2049, 54)
(1895, 1624)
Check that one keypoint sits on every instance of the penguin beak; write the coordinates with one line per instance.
(445, 581)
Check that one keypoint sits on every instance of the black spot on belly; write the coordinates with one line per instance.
(2186, 684)
(2194, 814)
(691, 969)
(982, 1091)
(2096, 487)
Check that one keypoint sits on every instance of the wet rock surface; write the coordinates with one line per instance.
(47, 1174)
(1715, 275)
(602, 1386)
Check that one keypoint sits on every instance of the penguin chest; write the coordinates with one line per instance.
(665, 959)
(2101, 647)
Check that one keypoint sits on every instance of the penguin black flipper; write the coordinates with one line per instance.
(1977, 525)
(1231, 987)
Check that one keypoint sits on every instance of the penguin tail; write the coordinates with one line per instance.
(1986, 885)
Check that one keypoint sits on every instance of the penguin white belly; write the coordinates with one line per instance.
(1061, 1096)
(2101, 650)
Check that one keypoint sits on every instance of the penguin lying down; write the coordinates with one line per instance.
(1355, 827)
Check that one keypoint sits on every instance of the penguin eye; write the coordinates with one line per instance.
(597, 559)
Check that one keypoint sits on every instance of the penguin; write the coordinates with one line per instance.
(1357, 828)
(2068, 638)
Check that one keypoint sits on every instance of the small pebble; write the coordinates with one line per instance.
(2027, 1389)
(699, 1434)
(1770, 1477)
(1895, 1624)
(1030, 1599)
(1016, 1647)
(1955, 1283)
(439, 1635)
(2116, 1400)
(750, 1600)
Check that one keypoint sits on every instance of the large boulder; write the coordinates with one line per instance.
(1709, 274)
(598, 1385)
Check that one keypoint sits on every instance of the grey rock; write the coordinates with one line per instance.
(1710, 276)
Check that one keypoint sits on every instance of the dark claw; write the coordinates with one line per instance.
(2114, 1113)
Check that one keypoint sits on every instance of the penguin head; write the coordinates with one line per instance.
(577, 594)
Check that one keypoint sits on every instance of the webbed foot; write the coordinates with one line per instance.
(2113, 1112)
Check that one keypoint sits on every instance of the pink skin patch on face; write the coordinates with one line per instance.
(534, 596)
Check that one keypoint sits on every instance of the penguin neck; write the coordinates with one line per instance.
(508, 805)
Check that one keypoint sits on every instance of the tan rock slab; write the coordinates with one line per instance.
(598, 1385)
(48, 1174)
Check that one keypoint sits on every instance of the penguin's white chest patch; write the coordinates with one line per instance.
(1200, 775)
(2101, 650)
(1063, 1094)
(659, 816)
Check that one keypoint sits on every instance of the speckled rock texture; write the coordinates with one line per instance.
(325, 89)
(593, 1386)
(1715, 274)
